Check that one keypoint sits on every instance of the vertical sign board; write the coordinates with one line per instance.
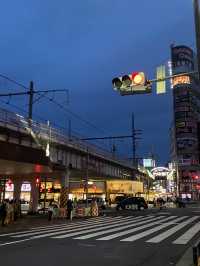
(161, 85)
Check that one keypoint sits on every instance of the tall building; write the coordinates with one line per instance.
(185, 129)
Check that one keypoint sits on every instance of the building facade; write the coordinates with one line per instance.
(185, 128)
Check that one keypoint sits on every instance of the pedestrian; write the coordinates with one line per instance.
(160, 202)
(3, 211)
(69, 209)
(110, 202)
(50, 211)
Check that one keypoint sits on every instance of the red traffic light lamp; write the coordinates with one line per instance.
(138, 78)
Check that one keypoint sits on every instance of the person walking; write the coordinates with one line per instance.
(69, 209)
(50, 211)
(3, 212)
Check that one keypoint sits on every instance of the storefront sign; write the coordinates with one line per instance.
(9, 186)
(125, 187)
(26, 187)
(181, 80)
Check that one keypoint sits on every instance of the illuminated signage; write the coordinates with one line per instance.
(148, 163)
(26, 187)
(160, 173)
(9, 186)
(181, 80)
(180, 124)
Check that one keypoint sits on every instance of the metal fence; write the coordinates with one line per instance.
(42, 131)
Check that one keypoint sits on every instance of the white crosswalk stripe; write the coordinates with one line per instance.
(136, 229)
(71, 227)
(188, 235)
(131, 223)
(171, 231)
(119, 228)
(151, 229)
(45, 228)
(92, 229)
(155, 229)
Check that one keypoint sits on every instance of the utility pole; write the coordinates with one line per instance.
(135, 133)
(87, 177)
(133, 139)
(197, 30)
(69, 129)
(30, 106)
(29, 93)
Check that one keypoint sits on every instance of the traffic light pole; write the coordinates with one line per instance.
(173, 76)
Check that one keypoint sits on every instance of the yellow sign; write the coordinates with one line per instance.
(126, 186)
(161, 84)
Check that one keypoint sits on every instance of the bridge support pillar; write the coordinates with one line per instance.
(17, 188)
(34, 197)
(65, 189)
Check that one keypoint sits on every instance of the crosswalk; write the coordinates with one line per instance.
(151, 229)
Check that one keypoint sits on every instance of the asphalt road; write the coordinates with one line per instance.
(129, 238)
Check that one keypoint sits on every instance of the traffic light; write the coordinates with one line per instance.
(134, 83)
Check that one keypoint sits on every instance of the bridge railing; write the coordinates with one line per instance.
(44, 131)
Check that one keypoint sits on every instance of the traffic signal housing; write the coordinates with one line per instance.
(135, 83)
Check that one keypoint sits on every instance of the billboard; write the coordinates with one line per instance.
(181, 80)
(160, 173)
(149, 163)
(182, 58)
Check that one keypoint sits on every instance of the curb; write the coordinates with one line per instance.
(186, 259)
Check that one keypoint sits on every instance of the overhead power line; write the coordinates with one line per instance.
(74, 114)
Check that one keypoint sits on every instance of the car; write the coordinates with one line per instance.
(132, 203)
(118, 199)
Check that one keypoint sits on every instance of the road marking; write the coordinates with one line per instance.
(135, 229)
(167, 213)
(166, 234)
(75, 222)
(104, 224)
(151, 231)
(70, 227)
(116, 229)
(56, 226)
(97, 229)
(14, 242)
(188, 235)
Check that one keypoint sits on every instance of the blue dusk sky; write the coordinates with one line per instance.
(80, 45)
